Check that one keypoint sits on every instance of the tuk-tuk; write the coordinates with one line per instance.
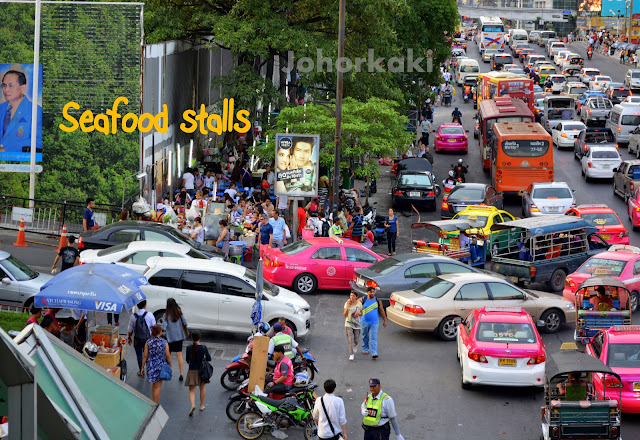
(572, 409)
(431, 237)
(601, 302)
(543, 249)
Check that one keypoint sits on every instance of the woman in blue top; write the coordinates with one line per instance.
(392, 231)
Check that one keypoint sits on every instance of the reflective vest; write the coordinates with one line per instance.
(277, 375)
(374, 410)
(286, 341)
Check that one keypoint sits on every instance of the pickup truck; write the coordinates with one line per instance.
(626, 178)
(595, 110)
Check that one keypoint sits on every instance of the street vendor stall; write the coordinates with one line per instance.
(433, 237)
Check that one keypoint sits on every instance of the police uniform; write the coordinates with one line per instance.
(377, 411)
(17, 134)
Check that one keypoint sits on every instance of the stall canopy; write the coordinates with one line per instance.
(93, 402)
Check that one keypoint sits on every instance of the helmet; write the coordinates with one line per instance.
(90, 350)
(460, 161)
(263, 328)
(451, 173)
(456, 108)
(301, 380)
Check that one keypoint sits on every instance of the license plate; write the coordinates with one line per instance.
(452, 140)
(512, 278)
(605, 236)
(636, 386)
(398, 306)
(505, 361)
(553, 209)
(414, 194)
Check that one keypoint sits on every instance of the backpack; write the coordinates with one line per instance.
(325, 228)
(140, 328)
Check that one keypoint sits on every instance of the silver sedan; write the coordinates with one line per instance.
(547, 198)
(19, 283)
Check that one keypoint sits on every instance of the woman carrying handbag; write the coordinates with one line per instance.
(198, 357)
(175, 326)
(156, 351)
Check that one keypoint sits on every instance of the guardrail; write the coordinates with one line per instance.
(48, 217)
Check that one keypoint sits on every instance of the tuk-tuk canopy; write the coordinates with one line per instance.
(575, 362)
(602, 281)
(447, 225)
(548, 224)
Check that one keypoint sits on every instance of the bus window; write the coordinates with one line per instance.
(525, 147)
(493, 28)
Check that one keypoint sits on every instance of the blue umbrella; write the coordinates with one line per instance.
(96, 286)
(256, 310)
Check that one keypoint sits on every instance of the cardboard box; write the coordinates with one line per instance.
(105, 336)
(115, 371)
(108, 359)
(258, 362)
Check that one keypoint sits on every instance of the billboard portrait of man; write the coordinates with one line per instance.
(297, 165)
(15, 114)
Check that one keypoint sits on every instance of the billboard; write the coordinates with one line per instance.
(297, 164)
(589, 6)
(15, 113)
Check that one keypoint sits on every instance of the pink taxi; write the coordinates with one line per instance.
(633, 208)
(451, 137)
(317, 263)
(619, 261)
(500, 346)
(619, 348)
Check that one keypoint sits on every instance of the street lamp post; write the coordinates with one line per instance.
(124, 181)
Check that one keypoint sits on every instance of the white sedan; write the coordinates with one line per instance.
(588, 73)
(488, 53)
(135, 254)
(565, 133)
(599, 162)
(599, 83)
(631, 100)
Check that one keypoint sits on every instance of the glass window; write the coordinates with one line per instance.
(415, 179)
(156, 236)
(328, 253)
(386, 266)
(552, 193)
(602, 266)
(469, 68)
(518, 333)
(196, 254)
(424, 270)
(359, 255)
(602, 218)
(199, 281)
(464, 193)
(472, 292)
(434, 288)
(452, 130)
(630, 120)
(269, 288)
(525, 147)
(636, 267)
(478, 220)
(597, 342)
(624, 356)
(446, 268)
(166, 278)
(233, 286)
(140, 257)
(599, 137)
(504, 291)
(112, 249)
(296, 248)
(19, 270)
(125, 236)
(605, 154)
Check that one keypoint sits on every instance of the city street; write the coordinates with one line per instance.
(418, 370)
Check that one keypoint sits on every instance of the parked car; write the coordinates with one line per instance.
(544, 198)
(595, 110)
(610, 228)
(132, 230)
(468, 194)
(592, 137)
(415, 188)
(451, 137)
(220, 297)
(626, 178)
(599, 162)
(317, 263)
(18, 282)
(452, 296)
(135, 254)
(565, 133)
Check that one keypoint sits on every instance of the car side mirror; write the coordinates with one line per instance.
(615, 170)
(521, 193)
(457, 321)
(6, 281)
(540, 323)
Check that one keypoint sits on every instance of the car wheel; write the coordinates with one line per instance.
(159, 315)
(552, 320)
(305, 283)
(633, 306)
(614, 187)
(556, 283)
(448, 330)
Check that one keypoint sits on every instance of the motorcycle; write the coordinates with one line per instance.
(272, 415)
(589, 54)
(459, 172)
(449, 185)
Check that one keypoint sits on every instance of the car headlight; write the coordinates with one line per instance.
(570, 306)
(296, 309)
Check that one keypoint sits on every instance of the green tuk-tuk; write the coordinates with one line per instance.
(572, 409)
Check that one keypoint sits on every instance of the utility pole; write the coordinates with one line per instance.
(338, 138)
(34, 106)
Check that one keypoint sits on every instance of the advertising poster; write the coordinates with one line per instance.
(589, 5)
(635, 28)
(16, 104)
(297, 164)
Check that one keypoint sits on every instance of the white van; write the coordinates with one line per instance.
(518, 36)
(466, 66)
(623, 119)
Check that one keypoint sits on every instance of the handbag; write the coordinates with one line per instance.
(326, 414)
(206, 370)
(184, 328)
(165, 372)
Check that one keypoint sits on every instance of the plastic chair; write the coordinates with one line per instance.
(237, 259)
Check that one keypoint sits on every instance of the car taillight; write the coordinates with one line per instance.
(589, 164)
(372, 284)
(564, 135)
(590, 111)
(478, 357)
(276, 263)
(630, 185)
(431, 194)
(612, 382)
(392, 302)
(398, 192)
(538, 359)
(412, 308)
(355, 277)
(80, 243)
(595, 84)
(445, 206)
(533, 271)
(534, 208)
(569, 283)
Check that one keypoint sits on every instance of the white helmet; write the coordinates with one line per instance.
(301, 380)
(451, 173)
(90, 350)
(460, 161)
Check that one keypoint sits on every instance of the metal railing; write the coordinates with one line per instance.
(48, 217)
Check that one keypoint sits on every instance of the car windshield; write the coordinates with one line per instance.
(296, 248)
(552, 193)
(268, 288)
(470, 68)
(618, 93)
(624, 355)
(463, 193)
(180, 236)
(434, 288)
(415, 180)
(512, 333)
(599, 137)
(451, 130)
(112, 249)
(558, 79)
(602, 218)
(635, 74)
(603, 266)
(480, 220)
(18, 269)
(197, 254)
(605, 154)
(385, 266)
(630, 120)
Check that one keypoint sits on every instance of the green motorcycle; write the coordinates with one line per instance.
(273, 415)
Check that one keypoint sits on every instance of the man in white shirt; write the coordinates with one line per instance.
(330, 428)
(231, 190)
(188, 181)
(446, 76)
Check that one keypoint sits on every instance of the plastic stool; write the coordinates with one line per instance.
(237, 259)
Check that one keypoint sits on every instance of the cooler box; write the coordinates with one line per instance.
(108, 357)
(105, 335)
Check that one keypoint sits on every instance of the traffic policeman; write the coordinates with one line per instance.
(379, 414)
(285, 340)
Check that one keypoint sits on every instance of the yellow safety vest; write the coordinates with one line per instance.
(374, 410)
(287, 342)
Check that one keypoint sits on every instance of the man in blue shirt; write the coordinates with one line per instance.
(88, 217)
(265, 235)
(371, 307)
(278, 225)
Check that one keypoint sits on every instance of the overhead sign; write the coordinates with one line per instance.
(297, 164)
(17, 214)
(17, 168)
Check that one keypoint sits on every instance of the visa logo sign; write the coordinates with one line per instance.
(106, 306)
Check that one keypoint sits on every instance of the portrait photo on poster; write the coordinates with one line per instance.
(16, 103)
(297, 164)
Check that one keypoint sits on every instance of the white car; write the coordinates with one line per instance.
(566, 61)
(516, 70)
(566, 132)
(588, 73)
(634, 100)
(509, 66)
(557, 82)
(599, 83)
(545, 198)
(488, 54)
(220, 296)
(560, 55)
(599, 162)
(135, 254)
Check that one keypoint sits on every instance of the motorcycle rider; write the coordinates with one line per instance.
(590, 52)
(460, 170)
(282, 379)
(449, 182)
(467, 92)
(456, 116)
(286, 341)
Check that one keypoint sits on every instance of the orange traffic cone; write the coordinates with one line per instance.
(63, 239)
(21, 238)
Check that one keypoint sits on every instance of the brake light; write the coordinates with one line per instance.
(630, 185)
(612, 382)
(590, 111)
(372, 284)
(538, 359)
(595, 83)
(564, 135)
(412, 308)
(355, 277)
(534, 208)
(398, 192)
(569, 283)
(392, 302)
(589, 164)
(478, 357)
(431, 194)
(80, 243)
(276, 263)
(533, 271)
(445, 206)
